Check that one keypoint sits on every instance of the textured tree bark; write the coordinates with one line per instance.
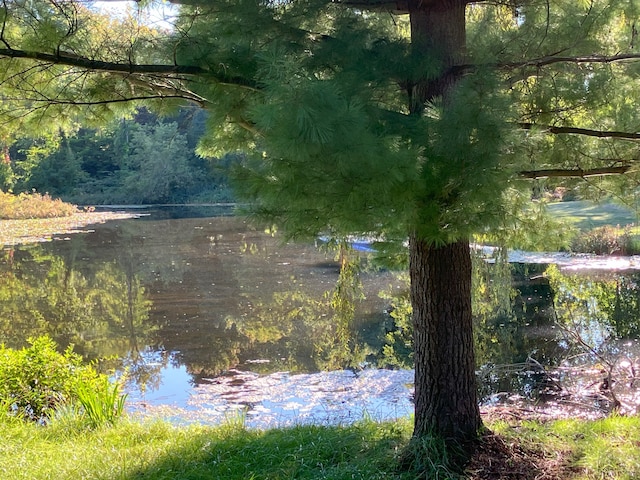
(438, 36)
(445, 384)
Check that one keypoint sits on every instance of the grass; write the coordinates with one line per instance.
(34, 205)
(567, 449)
(160, 451)
(600, 449)
(587, 215)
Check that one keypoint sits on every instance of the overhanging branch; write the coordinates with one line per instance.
(65, 58)
(536, 63)
(574, 173)
(581, 131)
(72, 60)
(551, 59)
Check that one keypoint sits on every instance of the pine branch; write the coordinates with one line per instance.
(574, 173)
(398, 7)
(581, 131)
(72, 60)
(49, 101)
(551, 59)
(547, 60)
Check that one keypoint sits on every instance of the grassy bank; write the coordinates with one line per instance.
(587, 215)
(160, 451)
(34, 205)
(133, 451)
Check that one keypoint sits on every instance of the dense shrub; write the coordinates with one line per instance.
(33, 205)
(607, 240)
(38, 380)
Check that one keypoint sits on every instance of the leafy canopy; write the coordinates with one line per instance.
(319, 96)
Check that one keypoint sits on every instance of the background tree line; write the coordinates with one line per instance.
(144, 159)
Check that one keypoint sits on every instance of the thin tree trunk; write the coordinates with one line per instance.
(445, 384)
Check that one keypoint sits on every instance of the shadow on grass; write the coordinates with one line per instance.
(310, 452)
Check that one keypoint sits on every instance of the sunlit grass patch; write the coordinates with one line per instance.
(132, 450)
(34, 205)
(607, 448)
(586, 215)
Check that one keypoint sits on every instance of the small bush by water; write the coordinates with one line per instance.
(37, 382)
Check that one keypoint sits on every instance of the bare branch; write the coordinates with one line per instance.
(536, 63)
(581, 131)
(574, 173)
(551, 59)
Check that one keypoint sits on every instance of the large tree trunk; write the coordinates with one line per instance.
(445, 398)
(445, 383)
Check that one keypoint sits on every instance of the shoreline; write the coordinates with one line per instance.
(37, 230)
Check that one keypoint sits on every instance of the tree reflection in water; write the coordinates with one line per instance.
(211, 295)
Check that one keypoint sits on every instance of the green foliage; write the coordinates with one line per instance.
(37, 380)
(526, 225)
(58, 171)
(397, 351)
(607, 240)
(7, 178)
(33, 205)
(339, 350)
(156, 168)
(102, 402)
(146, 159)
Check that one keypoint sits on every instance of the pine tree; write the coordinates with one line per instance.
(405, 119)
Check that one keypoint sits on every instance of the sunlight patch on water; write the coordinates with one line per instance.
(283, 399)
(568, 261)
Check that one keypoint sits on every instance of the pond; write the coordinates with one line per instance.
(209, 318)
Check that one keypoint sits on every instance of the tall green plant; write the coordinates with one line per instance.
(102, 403)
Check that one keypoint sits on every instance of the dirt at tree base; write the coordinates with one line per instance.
(497, 459)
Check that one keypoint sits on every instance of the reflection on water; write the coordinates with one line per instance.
(177, 301)
(212, 316)
(282, 398)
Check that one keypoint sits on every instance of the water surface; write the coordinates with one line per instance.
(210, 318)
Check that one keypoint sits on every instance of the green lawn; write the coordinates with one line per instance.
(569, 449)
(587, 215)
(160, 451)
